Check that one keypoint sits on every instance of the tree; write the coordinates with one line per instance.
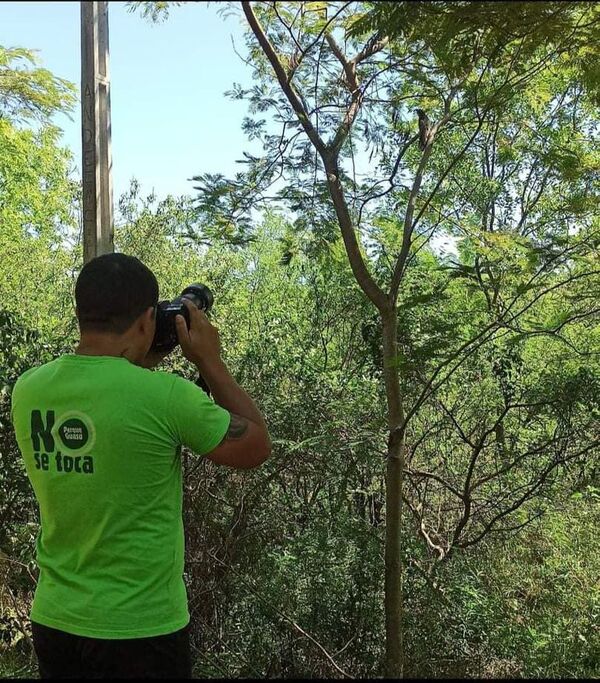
(507, 168)
(38, 196)
(30, 93)
(465, 75)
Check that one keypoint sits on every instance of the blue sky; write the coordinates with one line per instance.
(170, 118)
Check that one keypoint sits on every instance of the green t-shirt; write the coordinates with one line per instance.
(101, 439)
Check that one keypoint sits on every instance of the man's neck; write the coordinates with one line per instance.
(97, 345)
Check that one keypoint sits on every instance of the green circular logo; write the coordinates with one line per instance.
(73, 433)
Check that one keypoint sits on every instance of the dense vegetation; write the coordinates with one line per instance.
(476, 368)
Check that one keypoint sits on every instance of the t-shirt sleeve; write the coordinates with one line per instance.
(195, 419)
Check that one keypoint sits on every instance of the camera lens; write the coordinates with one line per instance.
(200, 295)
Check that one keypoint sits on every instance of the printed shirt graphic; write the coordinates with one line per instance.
(101, 441)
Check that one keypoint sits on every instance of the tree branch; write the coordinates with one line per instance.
(286, 86)
(329, 157)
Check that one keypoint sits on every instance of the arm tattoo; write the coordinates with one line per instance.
(237, 427)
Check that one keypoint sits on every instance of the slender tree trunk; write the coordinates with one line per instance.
(394, 655)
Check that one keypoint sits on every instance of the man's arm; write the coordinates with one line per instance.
(247, 443)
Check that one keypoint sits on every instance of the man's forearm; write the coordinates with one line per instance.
(229, 395)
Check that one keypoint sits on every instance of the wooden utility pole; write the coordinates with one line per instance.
(95, 132)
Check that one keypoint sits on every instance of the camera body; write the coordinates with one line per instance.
(165, 337)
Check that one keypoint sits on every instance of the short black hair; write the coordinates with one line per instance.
(112, 291)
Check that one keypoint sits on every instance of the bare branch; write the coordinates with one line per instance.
(349, 67)
(375, 44)
(391, 178)
(481, 338)
(432, 475)
(526, 496)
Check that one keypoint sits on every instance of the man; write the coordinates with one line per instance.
(101, 437)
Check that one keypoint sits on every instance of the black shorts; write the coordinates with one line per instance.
(64, 655)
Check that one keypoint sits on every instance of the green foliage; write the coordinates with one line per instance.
(30, 92)
(38, 217)
(154, 11)
(38, 197)
(538, 601)
(300, 540)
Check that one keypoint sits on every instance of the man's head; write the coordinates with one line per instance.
(116, 297)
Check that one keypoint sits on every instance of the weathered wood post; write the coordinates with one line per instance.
(95, 132)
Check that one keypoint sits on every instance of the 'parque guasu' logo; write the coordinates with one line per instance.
(63, 444)
(75, 432)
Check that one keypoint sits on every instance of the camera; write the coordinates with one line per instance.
(165, 337)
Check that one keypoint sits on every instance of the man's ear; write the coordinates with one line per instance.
(147, 318)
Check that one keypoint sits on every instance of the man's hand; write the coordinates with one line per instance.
(200, 344)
